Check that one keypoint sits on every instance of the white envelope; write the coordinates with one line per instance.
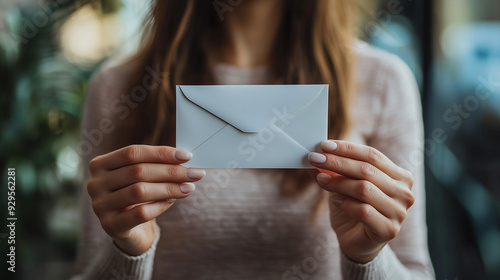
(251, 126)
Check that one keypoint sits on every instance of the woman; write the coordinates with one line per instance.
(143, 217)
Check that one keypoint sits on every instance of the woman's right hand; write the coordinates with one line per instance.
(132, 186)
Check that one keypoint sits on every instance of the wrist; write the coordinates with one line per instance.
(131, 249)
(138, 244)
(363, 257)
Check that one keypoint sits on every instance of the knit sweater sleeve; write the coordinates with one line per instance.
(98, 257)
(398, 134)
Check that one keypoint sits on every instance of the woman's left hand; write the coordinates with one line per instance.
(369, 199)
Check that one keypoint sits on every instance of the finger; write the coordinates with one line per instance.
(150, 172)
(357, 170)
(139, 154)
(366, 154)
(363, 191)
(144, 192)
(140, 214)
(379, 227)
(314, 172)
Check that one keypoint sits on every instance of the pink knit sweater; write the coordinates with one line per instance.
(237, 225)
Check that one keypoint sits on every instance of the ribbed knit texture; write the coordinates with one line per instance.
(384, 266)
(112, 263)
(237, 224)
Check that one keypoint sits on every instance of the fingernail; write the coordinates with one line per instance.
(323, 178)
(171, 200)
(187, 187)
(316, 157)
(195, 174)
(182, 155)
(337, 200)
(328, 145)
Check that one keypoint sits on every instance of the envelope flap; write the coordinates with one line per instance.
(254, 107)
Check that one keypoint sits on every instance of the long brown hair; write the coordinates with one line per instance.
(314, 47)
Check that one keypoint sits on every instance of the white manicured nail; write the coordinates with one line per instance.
(328, 145)
(187, 187)
(323, 178)
(170, 200)
(182, 155)
(316, 158)
(195, 174)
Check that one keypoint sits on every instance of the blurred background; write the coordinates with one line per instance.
(49, 50)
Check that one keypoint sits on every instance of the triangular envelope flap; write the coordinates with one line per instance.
(251, 108)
